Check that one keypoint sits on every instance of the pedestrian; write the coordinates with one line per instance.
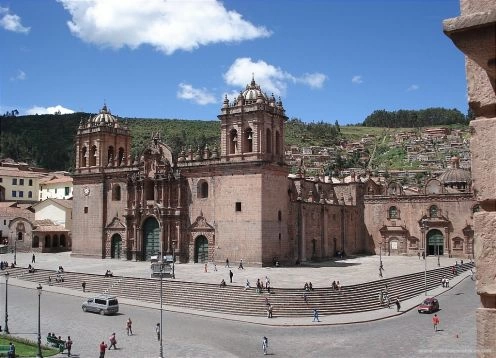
(418, 254)
(215, 266)
(315, 315)
(240, 267)
(270, 310)
(157, 330)
(83, 285)
(33, 259)
(265, 345)
(423, 255)
(435, 322)
(129, 327)
(230, 276)
(11, 353)
(206, 267)
(68, 346)
(103, 347)
(398, 304)
(113, 341)
(227, 262)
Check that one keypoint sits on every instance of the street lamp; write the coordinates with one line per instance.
(424, 234)
(438, 262)
(6, 298)
(39, 288)
(161, 292)
(173, 259)
(380, 259)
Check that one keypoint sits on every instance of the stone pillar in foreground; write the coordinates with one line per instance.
(474, 33)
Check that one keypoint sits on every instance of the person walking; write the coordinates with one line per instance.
(398, 304)
(230, 276)
(11, 353)
(435, 322)
(227, 262)
(206, 268)
(241, 267)
(83, 285)
(129, 327)
(265, 345)
(113, 341)
(33, 259)
(215, 267)
(103, 347)
(157, 331)
(68, 346)
(315, 315)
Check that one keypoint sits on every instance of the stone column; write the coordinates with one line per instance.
(474, 33)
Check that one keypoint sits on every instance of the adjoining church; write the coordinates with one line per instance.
(240, 202)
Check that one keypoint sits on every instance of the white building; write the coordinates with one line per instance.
(56, 186)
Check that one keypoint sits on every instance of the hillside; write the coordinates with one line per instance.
(48, 140)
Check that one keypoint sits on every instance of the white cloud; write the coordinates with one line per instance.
(21, 76)
(166, 25)
(49, 110)
(412, 88)
(357, 79)
(11, 22)
(270, 78)
(198, 95)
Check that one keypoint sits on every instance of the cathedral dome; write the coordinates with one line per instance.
(455, 175)
(104, 117)
(253, 93)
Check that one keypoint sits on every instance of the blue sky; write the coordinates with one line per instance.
(327, 60)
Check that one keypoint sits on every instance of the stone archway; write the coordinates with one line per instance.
(151, 238)
(201, 249)
(115, 246)
(435, 242)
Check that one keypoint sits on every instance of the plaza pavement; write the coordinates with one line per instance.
(348, 271)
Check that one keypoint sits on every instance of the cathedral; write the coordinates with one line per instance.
(240, 202)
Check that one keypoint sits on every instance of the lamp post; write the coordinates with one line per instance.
(6, 298)
(424, 234)
(438, 262)
(15, 249)
(161, 292)
(173, 259)
(380, 259)
(39, 288)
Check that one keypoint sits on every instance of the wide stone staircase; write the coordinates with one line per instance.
(286, 302)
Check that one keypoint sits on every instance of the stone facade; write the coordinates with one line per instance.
(474, 33)
(205, 206)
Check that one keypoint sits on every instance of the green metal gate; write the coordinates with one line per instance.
(201, 249)
(435, 243)
(116, 246)
(151, 238)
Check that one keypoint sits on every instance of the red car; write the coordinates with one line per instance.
(428, 305)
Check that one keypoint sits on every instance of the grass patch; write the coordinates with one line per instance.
(25, 348)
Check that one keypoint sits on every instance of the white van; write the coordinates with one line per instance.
(102, 304)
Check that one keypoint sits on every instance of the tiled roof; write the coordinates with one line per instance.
(47, 225)
(56, 179)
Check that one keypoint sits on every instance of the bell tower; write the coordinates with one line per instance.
(252, 127)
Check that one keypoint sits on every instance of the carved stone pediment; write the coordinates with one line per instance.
(116, 224)
(201, 224)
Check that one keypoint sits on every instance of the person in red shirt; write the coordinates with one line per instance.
(435, 322)
(103, 347)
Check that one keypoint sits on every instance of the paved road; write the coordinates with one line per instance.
(408, 335)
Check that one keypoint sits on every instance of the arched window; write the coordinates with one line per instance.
(93, 156)
(249, 140)
(20, 236)
(120, 157)
(110, 156)
(279, 216)
(63, 242)
(278, 143)
(116, 192)
(393, 212)
(268, 141)
(202, 189)
(433, 211)
(84, 156)
(233, 140)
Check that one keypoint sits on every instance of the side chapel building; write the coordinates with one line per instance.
(240, 203)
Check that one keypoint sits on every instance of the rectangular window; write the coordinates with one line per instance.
(21, 194)
(14, 181)
(55, 190)
(66, 190)
(86, 210)
(14, 193)
(238, 206)
(30, 182)
(30, 194)
(1, 180)
(21, 181)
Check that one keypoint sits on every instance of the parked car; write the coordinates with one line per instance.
(101, 304)
(429, 305)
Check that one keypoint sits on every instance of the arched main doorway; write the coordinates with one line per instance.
(115, 246)
(151, 238)
(435, 242)
(201, 249)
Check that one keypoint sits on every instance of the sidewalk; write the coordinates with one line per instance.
(355, 270)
